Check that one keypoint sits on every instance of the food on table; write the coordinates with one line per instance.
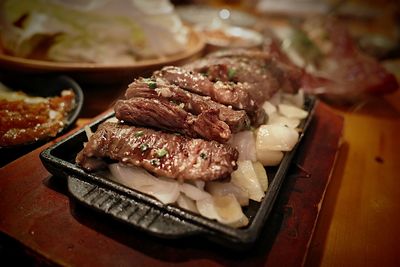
(25, 119)
(164, 154)
(231, 94)
(231, 37)
(167, 115)
(337, 68)
(106, 32)
(197, 136)
(237, 120)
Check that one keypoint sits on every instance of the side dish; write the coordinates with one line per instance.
(26, 119)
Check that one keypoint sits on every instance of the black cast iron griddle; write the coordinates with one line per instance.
(150, 215)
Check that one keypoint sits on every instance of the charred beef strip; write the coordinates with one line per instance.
(164, 114)
(231, 94)
(163, 154)
(237, 120)
(262, 78)
(272, 59)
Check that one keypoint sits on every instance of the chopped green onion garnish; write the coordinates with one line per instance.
(150, 83)
(231, 73)
(161, 152)
(138, 134)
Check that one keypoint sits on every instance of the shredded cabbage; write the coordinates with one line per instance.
(106, 31)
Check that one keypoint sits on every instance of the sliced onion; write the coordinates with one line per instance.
(224, 209)
(292, 111)
(268, 157)
(186, 203)
(131, 176)
(246, 178)
(165, 190)
(229, 211)
(199, 184)
(294, 99)
(261, 175)
(269, 108)
(276, 99)
(207, 208)
(245, 144)
(275, 118)
(276, 137)
(226, 188)
(193, 192)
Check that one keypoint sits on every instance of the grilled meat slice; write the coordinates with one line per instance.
(264, 67)
(163, 114)
(237, 120)
(163, 154)
(261, 78)
(227, 93)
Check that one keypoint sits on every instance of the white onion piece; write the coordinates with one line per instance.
(193, 192)
(245, 144)
(276, 99)
(165, 190)
(275, 118)
(130, 176)
(294, 99)
(186, 203)
(166, 193)
(268, 157)
(224, 209)
(261, 175)
(276, 137)
(246, 178)
(207, 208)
(199, 184)
(225, 188)
(269, 108)
(292, 111)
(229, 211)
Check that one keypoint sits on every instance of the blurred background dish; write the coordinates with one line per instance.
(99, 72)
(35, 111)
(222, 27)
(204, 15)
(96, 41)
(231, 37)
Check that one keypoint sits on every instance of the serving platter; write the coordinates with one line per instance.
(148, 214)
(95, 72)
(43, 86)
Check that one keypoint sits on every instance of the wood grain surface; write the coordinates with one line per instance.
(360, 217)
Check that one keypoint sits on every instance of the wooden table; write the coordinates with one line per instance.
(360, 217)
(358, 222)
